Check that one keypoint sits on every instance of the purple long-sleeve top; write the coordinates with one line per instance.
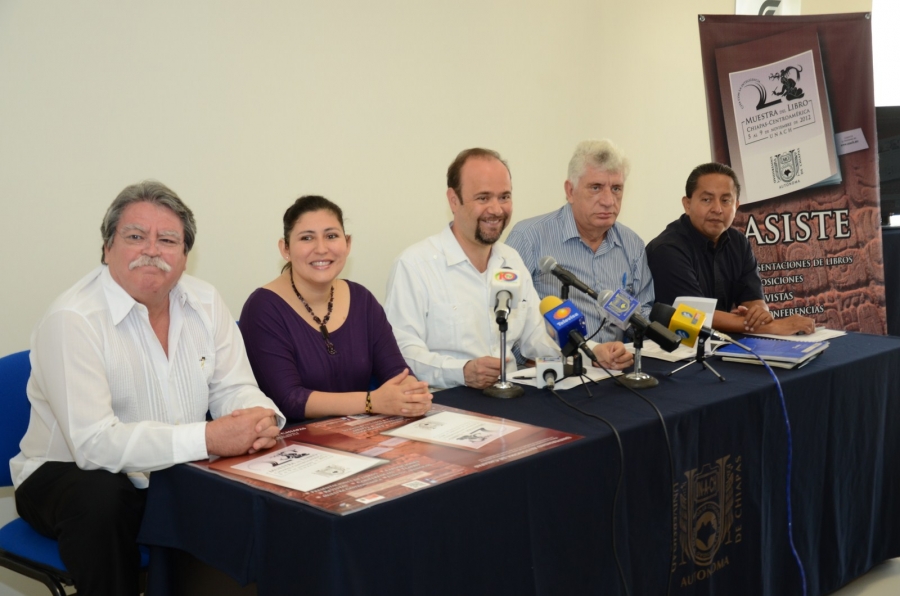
(289, 359)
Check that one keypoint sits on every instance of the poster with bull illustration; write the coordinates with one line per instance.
(790, 103)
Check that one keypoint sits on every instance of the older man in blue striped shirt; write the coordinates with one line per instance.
(584, 237)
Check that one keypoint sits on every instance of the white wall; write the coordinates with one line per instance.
(242, 106)
(886, 48)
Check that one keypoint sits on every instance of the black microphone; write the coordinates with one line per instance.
(622, 308)
(579, 340)
(549, 265)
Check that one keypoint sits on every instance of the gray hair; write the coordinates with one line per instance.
(603, 155)
(148, 191)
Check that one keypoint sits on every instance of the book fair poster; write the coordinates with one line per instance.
(790, 106)
(346, 464)
(777, 116)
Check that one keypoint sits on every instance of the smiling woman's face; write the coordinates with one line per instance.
(318, 247)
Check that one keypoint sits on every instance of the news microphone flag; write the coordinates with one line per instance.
(686, 323)
(560, 318)
(549, 303)
(506, 280)
(619, 307)
(665, 314)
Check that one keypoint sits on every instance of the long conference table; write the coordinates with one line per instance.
(543, 524)
(890, 239)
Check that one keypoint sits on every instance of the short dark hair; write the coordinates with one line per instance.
(302, 206)
(148, 191)
(455, 170)
(710, 168)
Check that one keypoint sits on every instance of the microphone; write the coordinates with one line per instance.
(549, 265)
(620, 307)
(549, 371)
(686, 322)
(506, 289)
(565, 324)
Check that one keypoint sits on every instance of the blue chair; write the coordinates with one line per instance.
(21, 548)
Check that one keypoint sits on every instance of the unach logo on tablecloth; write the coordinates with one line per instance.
(706, 506)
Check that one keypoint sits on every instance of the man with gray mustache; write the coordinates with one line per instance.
(125, 366)
(145, 261)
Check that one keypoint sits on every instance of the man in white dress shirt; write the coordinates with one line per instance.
(125, 366)
(438, 293)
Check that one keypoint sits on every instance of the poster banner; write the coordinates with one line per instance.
(790, 103)
(777, 117)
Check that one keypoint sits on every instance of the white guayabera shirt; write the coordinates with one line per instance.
(105, 395)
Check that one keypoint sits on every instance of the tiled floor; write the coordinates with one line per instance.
(883, 580)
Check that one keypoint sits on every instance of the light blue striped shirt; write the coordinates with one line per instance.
(620, 262)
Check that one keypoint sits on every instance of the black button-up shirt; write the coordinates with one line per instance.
(686, 263)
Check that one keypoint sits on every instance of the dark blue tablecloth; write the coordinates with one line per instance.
(890, 243)
(542, 525)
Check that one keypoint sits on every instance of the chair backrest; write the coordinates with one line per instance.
(15, 408)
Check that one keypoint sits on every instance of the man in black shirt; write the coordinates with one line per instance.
(700, 254)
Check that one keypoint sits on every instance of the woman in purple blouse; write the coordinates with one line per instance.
(315, 342)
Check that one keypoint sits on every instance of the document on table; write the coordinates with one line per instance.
(821, 334)
(455, 430)
(652, 350)
(304, 467)
(447, 448)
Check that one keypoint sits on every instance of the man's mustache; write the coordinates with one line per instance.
(145, 261)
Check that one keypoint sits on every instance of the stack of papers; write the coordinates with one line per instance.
(781, 353)
(821, 334)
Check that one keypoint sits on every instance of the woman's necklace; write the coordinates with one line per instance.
(321, 322)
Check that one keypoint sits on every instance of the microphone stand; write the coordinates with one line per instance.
(701, 358)
(576, 369)
(638, 379)
(503, 389)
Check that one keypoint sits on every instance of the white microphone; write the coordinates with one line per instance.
(506, 292)
(549, 371)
